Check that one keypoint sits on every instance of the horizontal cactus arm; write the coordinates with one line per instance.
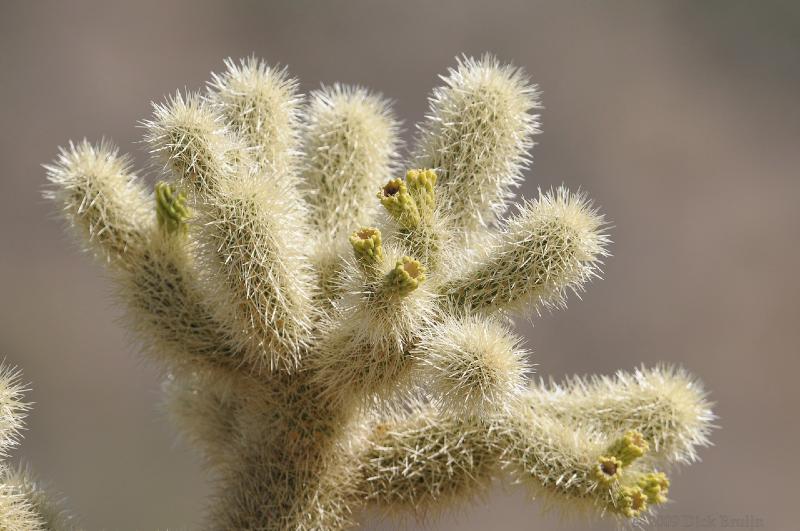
(420, 460)
(667, 405)
(552, 245)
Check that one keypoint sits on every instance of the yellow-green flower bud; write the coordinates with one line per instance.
(630, 502)
(406, 276)
(655, 486)
(629, 447)
(399, 203)
(367, 246)
(171, 209)
(420, 185)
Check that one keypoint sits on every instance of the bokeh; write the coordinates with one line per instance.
(680, 118)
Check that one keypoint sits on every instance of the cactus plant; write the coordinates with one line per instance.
(335, 328)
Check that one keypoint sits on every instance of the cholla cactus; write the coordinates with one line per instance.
(24, 505)
(336, 332)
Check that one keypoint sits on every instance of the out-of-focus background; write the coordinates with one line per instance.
(680, 118)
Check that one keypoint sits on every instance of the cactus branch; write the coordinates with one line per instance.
(334, 336)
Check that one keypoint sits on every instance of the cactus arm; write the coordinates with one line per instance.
(667, 405)
(417, 460)
(24, 504)
(104, 201)
(554, 244)
(252, 242)
(349, 144)
(365, 351)
(477, 134)
(422, 460)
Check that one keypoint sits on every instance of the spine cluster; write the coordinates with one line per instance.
(335, 332)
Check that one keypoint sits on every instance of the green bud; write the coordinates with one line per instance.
(171, 209)
(630, 502)
(608, 469)
(420, 185)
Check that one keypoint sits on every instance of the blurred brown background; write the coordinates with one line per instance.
(680, 118)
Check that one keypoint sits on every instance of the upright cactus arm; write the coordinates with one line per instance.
(365, 350)
(144, 243)
(253, 245)
(262, 105)
(349, 144)
(102, 199)
(350, 141)
(478, 134)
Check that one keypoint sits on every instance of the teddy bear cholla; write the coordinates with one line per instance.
(334, 328)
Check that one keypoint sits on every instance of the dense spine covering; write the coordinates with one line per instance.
(24, 503)
(349, 145)
(252, 242)
(478, 134)
(553, 244)
(473, 365)
(336, 334)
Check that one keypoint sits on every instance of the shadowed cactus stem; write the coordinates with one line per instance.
(335, 331)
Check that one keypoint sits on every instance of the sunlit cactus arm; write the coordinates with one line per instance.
(252, 243)
(144, 241)
(12, 409)
(349, 142)
(553, 244)
(350, 139)
(16, 511)
(582, 471)
(478, 134)
(262, 105)
(420, 461)
(667, 405)
(99, 195)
